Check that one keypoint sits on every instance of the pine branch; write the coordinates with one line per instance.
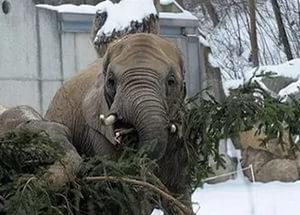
(184, 210)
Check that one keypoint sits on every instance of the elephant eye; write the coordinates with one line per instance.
(111, 82)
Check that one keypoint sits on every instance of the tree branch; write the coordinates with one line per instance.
(184, 210)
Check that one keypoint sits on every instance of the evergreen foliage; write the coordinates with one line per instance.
(23, 190)
(125, 185)
(248, 107)
(24, 158)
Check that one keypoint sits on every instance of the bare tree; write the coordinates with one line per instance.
(180, 2)
(253, 33)
(212, 12)
(282, 32)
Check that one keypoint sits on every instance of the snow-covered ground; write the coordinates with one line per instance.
(240, 197)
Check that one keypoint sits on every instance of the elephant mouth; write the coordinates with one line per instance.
(125, 134)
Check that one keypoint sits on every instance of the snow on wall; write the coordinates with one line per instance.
(119, 15)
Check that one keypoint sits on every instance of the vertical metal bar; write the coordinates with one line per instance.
(252, 173)
(61, 56)
(39, 63)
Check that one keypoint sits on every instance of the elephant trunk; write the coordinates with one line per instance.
(146, 111)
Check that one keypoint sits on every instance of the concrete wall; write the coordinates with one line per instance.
(18, 54)
(35, 57)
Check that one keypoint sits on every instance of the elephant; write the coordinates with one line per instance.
(138, 87)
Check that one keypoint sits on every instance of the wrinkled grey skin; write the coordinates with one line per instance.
(141, 82)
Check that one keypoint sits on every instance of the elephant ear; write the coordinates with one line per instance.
(93, 105)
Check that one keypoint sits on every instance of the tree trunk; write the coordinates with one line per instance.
(212, 12)
(148, 25)
(282, 32)
(180, 2)
(253, 33)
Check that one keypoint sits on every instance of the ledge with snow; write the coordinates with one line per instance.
(79, 18)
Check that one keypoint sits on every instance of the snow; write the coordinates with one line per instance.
(230, 44)
(119, 16)
(166, 2)
(240, 197)
(70, 8)
(203, 41)
(289, 69)
(183, 15)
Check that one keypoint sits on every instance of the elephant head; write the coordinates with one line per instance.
(143, 87)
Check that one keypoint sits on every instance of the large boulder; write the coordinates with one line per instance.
(26, 118)
(268, 167)
(13, 117)
(255, 157)
(65, 169)
(284, 170)
(298, 160)
(277, 83)
(251, 139)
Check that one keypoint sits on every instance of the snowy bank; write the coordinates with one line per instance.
(239, 197)
(290, 69)
(243, 198)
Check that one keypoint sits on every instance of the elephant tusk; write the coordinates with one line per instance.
(110, 120)
(173, 128)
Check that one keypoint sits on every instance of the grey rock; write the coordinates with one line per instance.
(277, 83)
(255, 157)
(284, 170)
(65, 169)
(297, 160)
(26, 118)
(13, 117)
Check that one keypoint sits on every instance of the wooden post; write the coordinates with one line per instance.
(212, 12)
